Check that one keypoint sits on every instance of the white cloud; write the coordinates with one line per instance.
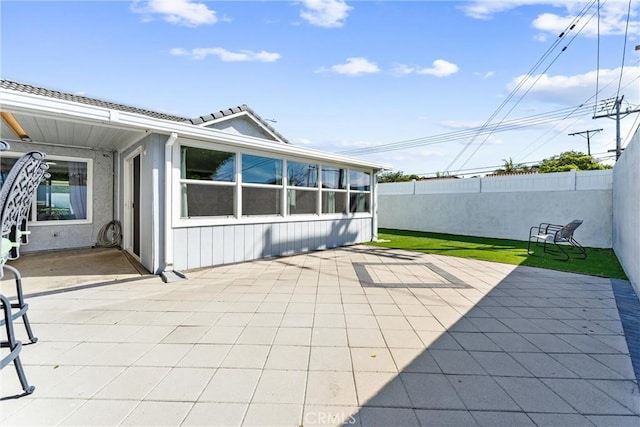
(486, 75)
(576, 89)
(225, 55)
(181, 12)
(613, 15)
(440, 68)
(325, 13)
(355, 67)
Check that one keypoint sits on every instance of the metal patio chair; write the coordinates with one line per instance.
(558, 236)
(15, 202)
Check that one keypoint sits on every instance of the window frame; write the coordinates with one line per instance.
(239, 217)
(33, 221)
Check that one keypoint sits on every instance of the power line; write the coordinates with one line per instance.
(588, 132)
(521, 83)
(514, 124)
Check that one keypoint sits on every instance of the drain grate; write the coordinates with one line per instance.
(405, 275)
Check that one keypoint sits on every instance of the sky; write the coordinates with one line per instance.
(425, 87)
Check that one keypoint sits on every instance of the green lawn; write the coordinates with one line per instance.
(599, 262)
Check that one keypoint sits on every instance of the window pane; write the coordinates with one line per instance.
(334, 202)
(359, 180)
(207, 200)
(335, 178)
(359, 202)
(302, 174)
(261, 170)
(63, 195)
(302, 201)
(6, 163)
(208, 165)
(261, 201)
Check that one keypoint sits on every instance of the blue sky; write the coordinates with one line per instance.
(339, 76)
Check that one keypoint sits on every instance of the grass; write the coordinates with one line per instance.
(599, 262)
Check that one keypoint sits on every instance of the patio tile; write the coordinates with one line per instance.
(457, 362)
(330, 359)
(221, 335)
(181, 385)
(297, 320)
(330, 388)
(231, 385)
(157, 414)
(288, 357)
(532, 395)
(372, 359)
(482, 393)
(257, 335)
(100, 413)
(381, 389)
(431, 391)
(564, 420)
(246, 356)
(215, 414)
(512, 342)
(334, 337)
(235, 319)
(330, 416)
(163, 355)
(502, 419)
(281, 387)
(384, 417)
(585, 397)
(499, 364)
(393, 322)
(542, 365)
(431, 417)
(365, 338)
(133, 383)
(43, 412)
(474, 341)
(396, 338)
(613, 420)
(270, 414)
(624, 392)
(360, 321)
(185, 335)
(293, 336)
(83, 383)
(587, 367)
(205, 356)
(328, 320)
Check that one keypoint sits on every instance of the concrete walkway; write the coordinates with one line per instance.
(356, 336)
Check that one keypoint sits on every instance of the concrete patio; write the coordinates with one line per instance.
(354, 336)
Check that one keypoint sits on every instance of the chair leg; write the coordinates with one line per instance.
(14, 346)
(20, 304)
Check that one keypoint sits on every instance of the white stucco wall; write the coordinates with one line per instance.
(502, 207)
(626, 210)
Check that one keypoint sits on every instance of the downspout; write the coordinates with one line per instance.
(169, 274)
(374, 219)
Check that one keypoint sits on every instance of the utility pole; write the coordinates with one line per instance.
(588, 132)
(607, 106)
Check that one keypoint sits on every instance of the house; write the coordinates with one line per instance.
(182, 193)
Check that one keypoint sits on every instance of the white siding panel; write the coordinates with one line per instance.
(229, 244)
(217, 237)
(206, 246)
(180, 248)
(275, 239)
(249, 241)
(193, 247)
(238, 249)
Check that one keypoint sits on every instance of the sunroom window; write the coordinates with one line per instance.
(359, 191)
(261, 185)
(334, 190)
(207, 182)
(302, 194)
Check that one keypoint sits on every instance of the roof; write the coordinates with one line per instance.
(35, 90)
